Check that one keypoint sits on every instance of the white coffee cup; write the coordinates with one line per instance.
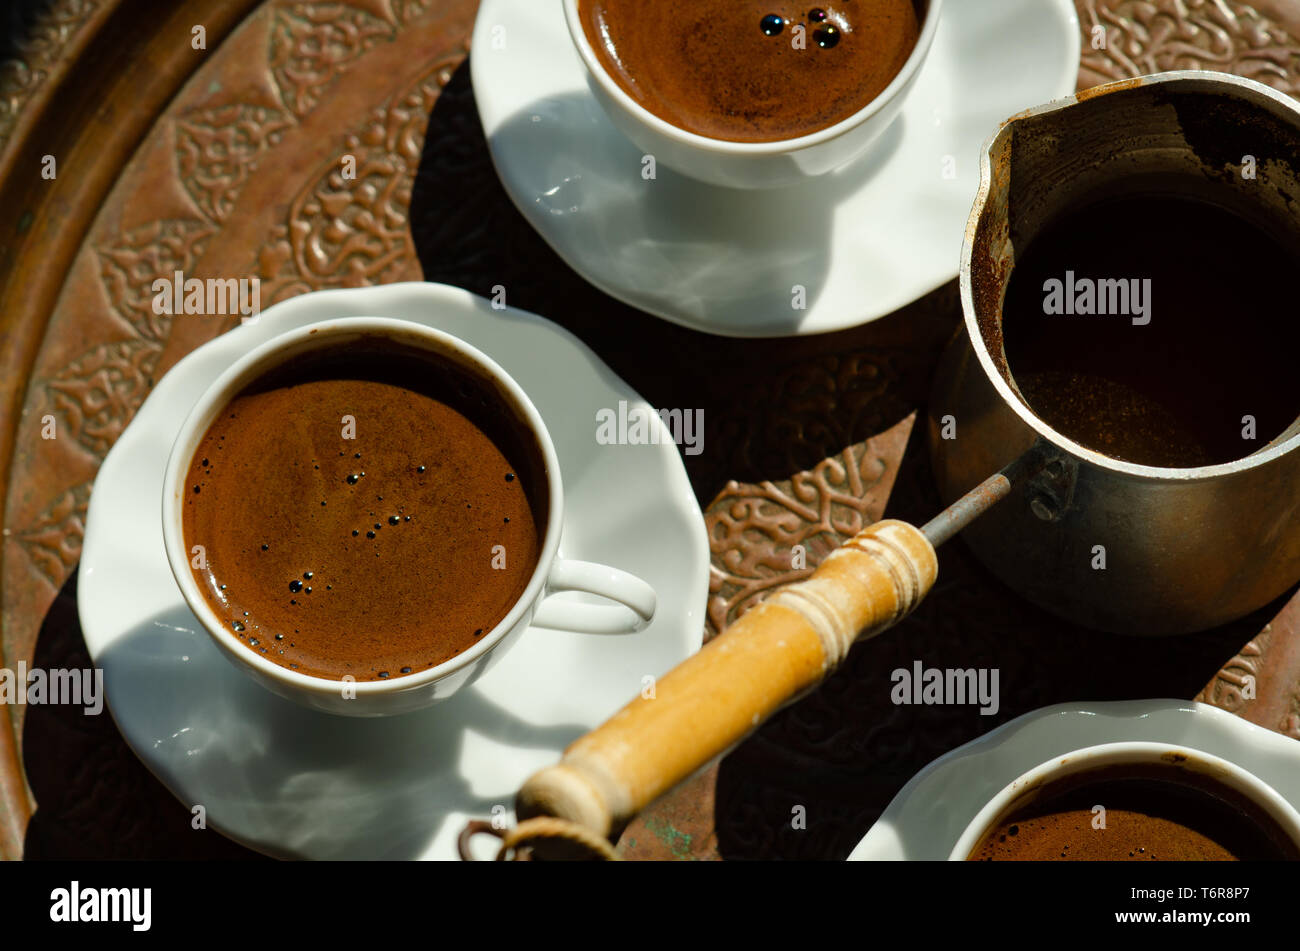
(635, 599)
(1021, 791)
(752, 164)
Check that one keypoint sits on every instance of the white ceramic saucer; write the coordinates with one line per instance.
(929, 814)
(863, 241)
(292, 782)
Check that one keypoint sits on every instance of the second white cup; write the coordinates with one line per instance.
(634, 600)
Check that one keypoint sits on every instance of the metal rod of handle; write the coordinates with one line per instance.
(983, 497)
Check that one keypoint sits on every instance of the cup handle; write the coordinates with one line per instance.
(636, 600)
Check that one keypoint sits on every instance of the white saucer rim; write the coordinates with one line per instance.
(1127, 709)
(1067, 83)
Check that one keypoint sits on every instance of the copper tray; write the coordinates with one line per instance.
(223, 160)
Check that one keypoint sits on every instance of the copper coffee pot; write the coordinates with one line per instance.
(1209, 544)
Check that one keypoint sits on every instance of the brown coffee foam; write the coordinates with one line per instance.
(415, 594)
(706, 67)
(1152, 812)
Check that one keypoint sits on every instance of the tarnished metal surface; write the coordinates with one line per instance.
(807, 439)
(1181, 549)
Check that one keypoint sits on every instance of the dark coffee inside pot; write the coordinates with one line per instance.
(1157, 329)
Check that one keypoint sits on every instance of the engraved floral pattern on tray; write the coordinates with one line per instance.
(290, 64)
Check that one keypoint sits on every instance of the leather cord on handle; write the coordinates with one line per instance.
(566, 839)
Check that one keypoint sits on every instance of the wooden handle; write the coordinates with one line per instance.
(711, 701)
